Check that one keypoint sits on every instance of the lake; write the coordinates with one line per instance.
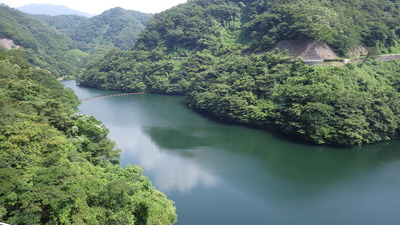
(223, 174)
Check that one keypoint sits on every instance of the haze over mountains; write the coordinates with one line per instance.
(51, 10)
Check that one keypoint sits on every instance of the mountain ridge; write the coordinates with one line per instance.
(51, 10)
(115, 27)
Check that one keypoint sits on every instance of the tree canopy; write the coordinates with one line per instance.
(58, 166)
(116, 27)
(63, 44)
(46, 47)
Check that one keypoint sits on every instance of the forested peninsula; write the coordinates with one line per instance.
(221, 55)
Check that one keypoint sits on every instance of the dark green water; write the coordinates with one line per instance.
(221, 174)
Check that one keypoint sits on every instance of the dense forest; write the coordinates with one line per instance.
(218, 53)
(116, 27)
(58, 166)
(64, 44)
(46, 47)
(63, 23)
(257, 25)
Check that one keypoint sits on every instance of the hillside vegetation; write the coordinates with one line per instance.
(63, 23)
(260, 24)
(213, 51)
(63, 44)
(58, 166)
(343, 24)
(45, 46)
(116, 27)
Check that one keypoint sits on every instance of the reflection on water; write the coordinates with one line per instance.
(170, 172)
(239, 175)
(287, 168)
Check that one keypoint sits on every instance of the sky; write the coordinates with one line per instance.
(96, 7)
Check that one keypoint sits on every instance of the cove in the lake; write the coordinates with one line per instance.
(223, 174)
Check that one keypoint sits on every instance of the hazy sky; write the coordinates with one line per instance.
(98, 6)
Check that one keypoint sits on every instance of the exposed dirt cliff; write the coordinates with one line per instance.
(8, 43)
(307, 49)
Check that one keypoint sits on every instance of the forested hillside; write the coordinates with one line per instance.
(58, 166)
(63, 23)
(259, 24)
(63, 44)
(213, 51)
(343, 24)
(116, 27)
(45, 46)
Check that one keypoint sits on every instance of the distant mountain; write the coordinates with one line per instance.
(51, 10)
(44, 45)
(116, 27)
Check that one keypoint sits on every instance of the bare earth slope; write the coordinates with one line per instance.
(8, 43)
(307, 49)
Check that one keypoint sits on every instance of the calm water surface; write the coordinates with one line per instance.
(222, 174)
